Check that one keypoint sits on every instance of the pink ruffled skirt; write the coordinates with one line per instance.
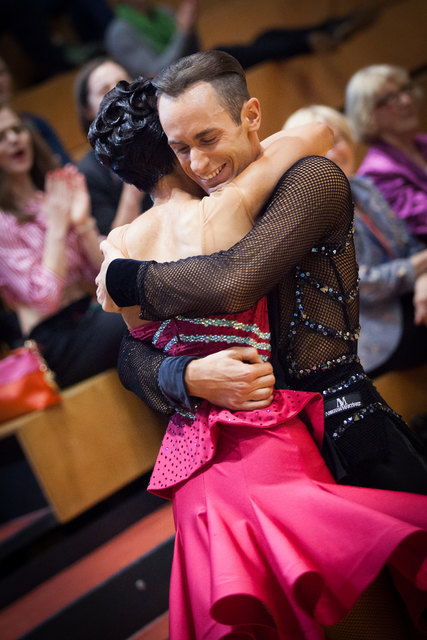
(269, 547)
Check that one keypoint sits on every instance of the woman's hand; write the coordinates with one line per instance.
(80, 198)
(67, 198)
(110, 253)
(420, 299)
(57, 202)
(186, 15)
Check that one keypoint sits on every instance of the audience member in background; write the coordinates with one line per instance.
(382, 104)
(113, 203)
(29, 22)
(49, 257)
(392, 263)
(9, 324)
(144, 37)
(39, 123)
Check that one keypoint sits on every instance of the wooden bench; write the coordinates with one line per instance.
(100, 438)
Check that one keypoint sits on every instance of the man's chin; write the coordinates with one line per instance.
(216, 186)
(210, 186)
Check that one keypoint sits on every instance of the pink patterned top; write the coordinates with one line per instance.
(24, 280)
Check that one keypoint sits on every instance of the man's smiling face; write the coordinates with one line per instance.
(210, 146)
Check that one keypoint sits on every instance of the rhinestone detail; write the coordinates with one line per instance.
(324, 366)
(360, 415)
(306, 276)
(335, 249)
(227, 339)
(341, 386)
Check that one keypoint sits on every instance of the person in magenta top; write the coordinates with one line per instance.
(382, 104)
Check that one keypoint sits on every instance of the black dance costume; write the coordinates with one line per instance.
(301, 251)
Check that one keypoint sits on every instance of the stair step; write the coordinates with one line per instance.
(115, 609)
(22, 530)
(95, 579)
(28, 563)
(156, 630)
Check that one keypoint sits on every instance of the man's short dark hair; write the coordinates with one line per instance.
(218, 68)
(127, 135)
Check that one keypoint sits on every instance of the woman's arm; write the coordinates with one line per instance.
(57, 213)
(81, 220)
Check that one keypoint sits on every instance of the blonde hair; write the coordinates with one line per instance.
(362, 93)
(321, 113)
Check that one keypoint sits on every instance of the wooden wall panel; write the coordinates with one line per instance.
(396, 36)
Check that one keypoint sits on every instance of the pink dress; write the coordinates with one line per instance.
(267, 545)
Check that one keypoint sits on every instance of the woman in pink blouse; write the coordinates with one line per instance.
(49, 257)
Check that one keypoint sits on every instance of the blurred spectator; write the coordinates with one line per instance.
(10, 331)
(392, 263)
(28, 21)
(49, 257)
(40, 124)
(146, 36)
(113, 202)
(382, 104)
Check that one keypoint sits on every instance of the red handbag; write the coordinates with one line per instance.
(26, 382)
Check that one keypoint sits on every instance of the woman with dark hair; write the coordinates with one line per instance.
(266, 541)
(41, 125)
(112, 203)
(49, 256)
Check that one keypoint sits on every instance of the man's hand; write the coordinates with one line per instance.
(235, 378)
(420, 299)
(110, 253)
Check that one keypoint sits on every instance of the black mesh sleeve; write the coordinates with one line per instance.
(138, 366)
(304, 209)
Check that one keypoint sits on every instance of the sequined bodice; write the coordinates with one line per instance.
(324, 313)
(202, 336)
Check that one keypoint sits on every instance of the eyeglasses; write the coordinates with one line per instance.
(393, 98)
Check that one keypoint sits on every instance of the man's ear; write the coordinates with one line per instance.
(251, 114)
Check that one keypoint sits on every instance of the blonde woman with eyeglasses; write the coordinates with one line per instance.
(382, 104)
